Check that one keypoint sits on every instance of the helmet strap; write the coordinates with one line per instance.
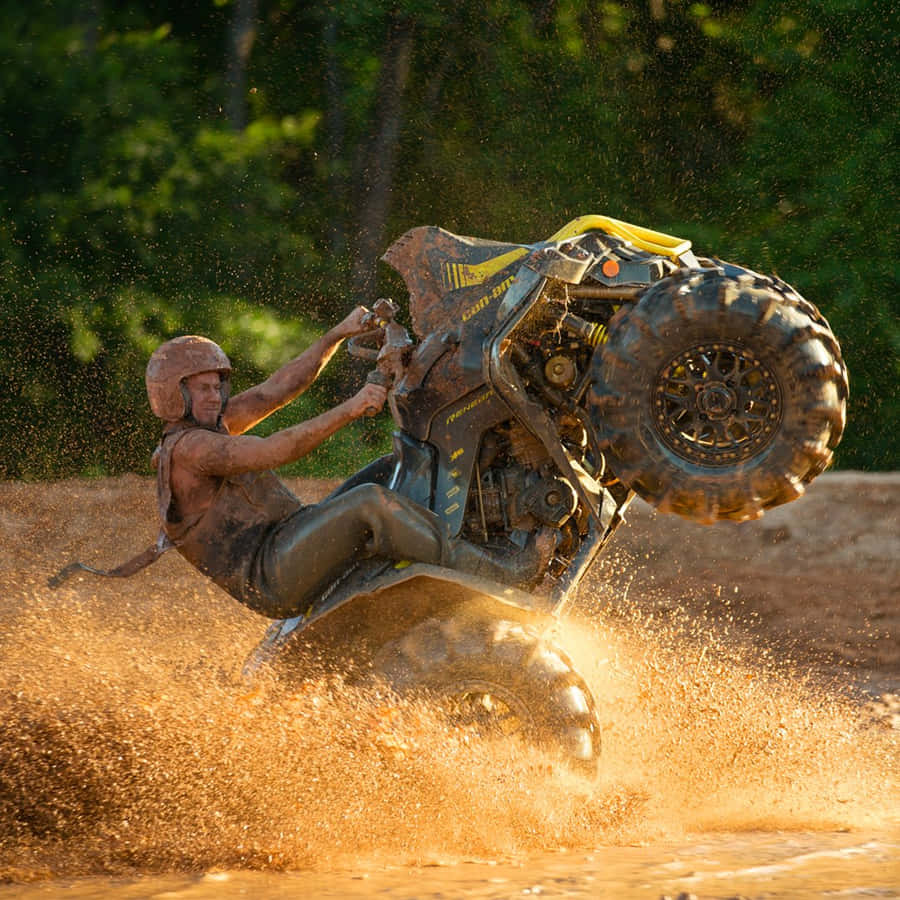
(224, 393)
(186, 396)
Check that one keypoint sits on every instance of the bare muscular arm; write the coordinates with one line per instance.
(246, 409)
(212, 454)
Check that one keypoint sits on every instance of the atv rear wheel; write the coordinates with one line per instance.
(500, 678)
(718, 397)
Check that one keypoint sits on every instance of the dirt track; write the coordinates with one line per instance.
(128, 746)
(815, 582)
(817, 579)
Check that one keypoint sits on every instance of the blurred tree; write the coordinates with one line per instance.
(127, 218)
(236, 167)
(812, 192)
(242, 36)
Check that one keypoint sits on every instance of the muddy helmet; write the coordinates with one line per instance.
(176, 360)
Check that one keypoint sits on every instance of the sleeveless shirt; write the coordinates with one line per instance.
(223, 541)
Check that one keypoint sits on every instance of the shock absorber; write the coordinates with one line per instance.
(592, 333)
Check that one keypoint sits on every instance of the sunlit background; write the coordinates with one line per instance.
(237, 168)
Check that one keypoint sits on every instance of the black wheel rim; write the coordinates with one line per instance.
(716, 404)
(488, 708)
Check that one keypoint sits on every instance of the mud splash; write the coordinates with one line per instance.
(128, 743)
(116, 757)
(723, 737)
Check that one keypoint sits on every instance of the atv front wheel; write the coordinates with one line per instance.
(718, 397)
(500, 678)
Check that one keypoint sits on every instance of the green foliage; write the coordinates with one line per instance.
(131, 220)
(816, 188)
(133, 210)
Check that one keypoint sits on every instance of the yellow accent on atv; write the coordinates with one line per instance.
(643, 238)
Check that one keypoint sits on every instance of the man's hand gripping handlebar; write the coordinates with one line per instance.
(391, 345)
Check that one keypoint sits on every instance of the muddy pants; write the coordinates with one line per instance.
(311, 548)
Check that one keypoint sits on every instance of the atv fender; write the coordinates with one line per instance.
(391, 604)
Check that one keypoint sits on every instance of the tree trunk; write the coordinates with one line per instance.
(378, 167)
(241, 37)
(543, 15)
(336, 137)
(432, 102)
(88, 18)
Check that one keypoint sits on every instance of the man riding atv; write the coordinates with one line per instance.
(231, 517)
(546, 385)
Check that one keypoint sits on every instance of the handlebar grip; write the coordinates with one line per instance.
(356, 349)
(376, 377)
(381, 314)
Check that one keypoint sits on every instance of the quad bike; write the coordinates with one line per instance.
(547, 385)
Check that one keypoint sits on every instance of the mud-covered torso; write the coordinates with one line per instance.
(223, 537)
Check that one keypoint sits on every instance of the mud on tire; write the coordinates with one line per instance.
(501, 678)
(718, 397)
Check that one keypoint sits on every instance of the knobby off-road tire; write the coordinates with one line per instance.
(719, 397)
(501, 678)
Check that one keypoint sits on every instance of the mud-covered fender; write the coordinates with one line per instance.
(390, 604)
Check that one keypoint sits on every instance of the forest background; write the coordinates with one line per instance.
(236, 167)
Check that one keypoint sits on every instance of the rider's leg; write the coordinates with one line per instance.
(400, 529)
(312, 547)
(517, 568)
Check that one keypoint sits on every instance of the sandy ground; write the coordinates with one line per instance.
(747, 676)
(817, 579)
